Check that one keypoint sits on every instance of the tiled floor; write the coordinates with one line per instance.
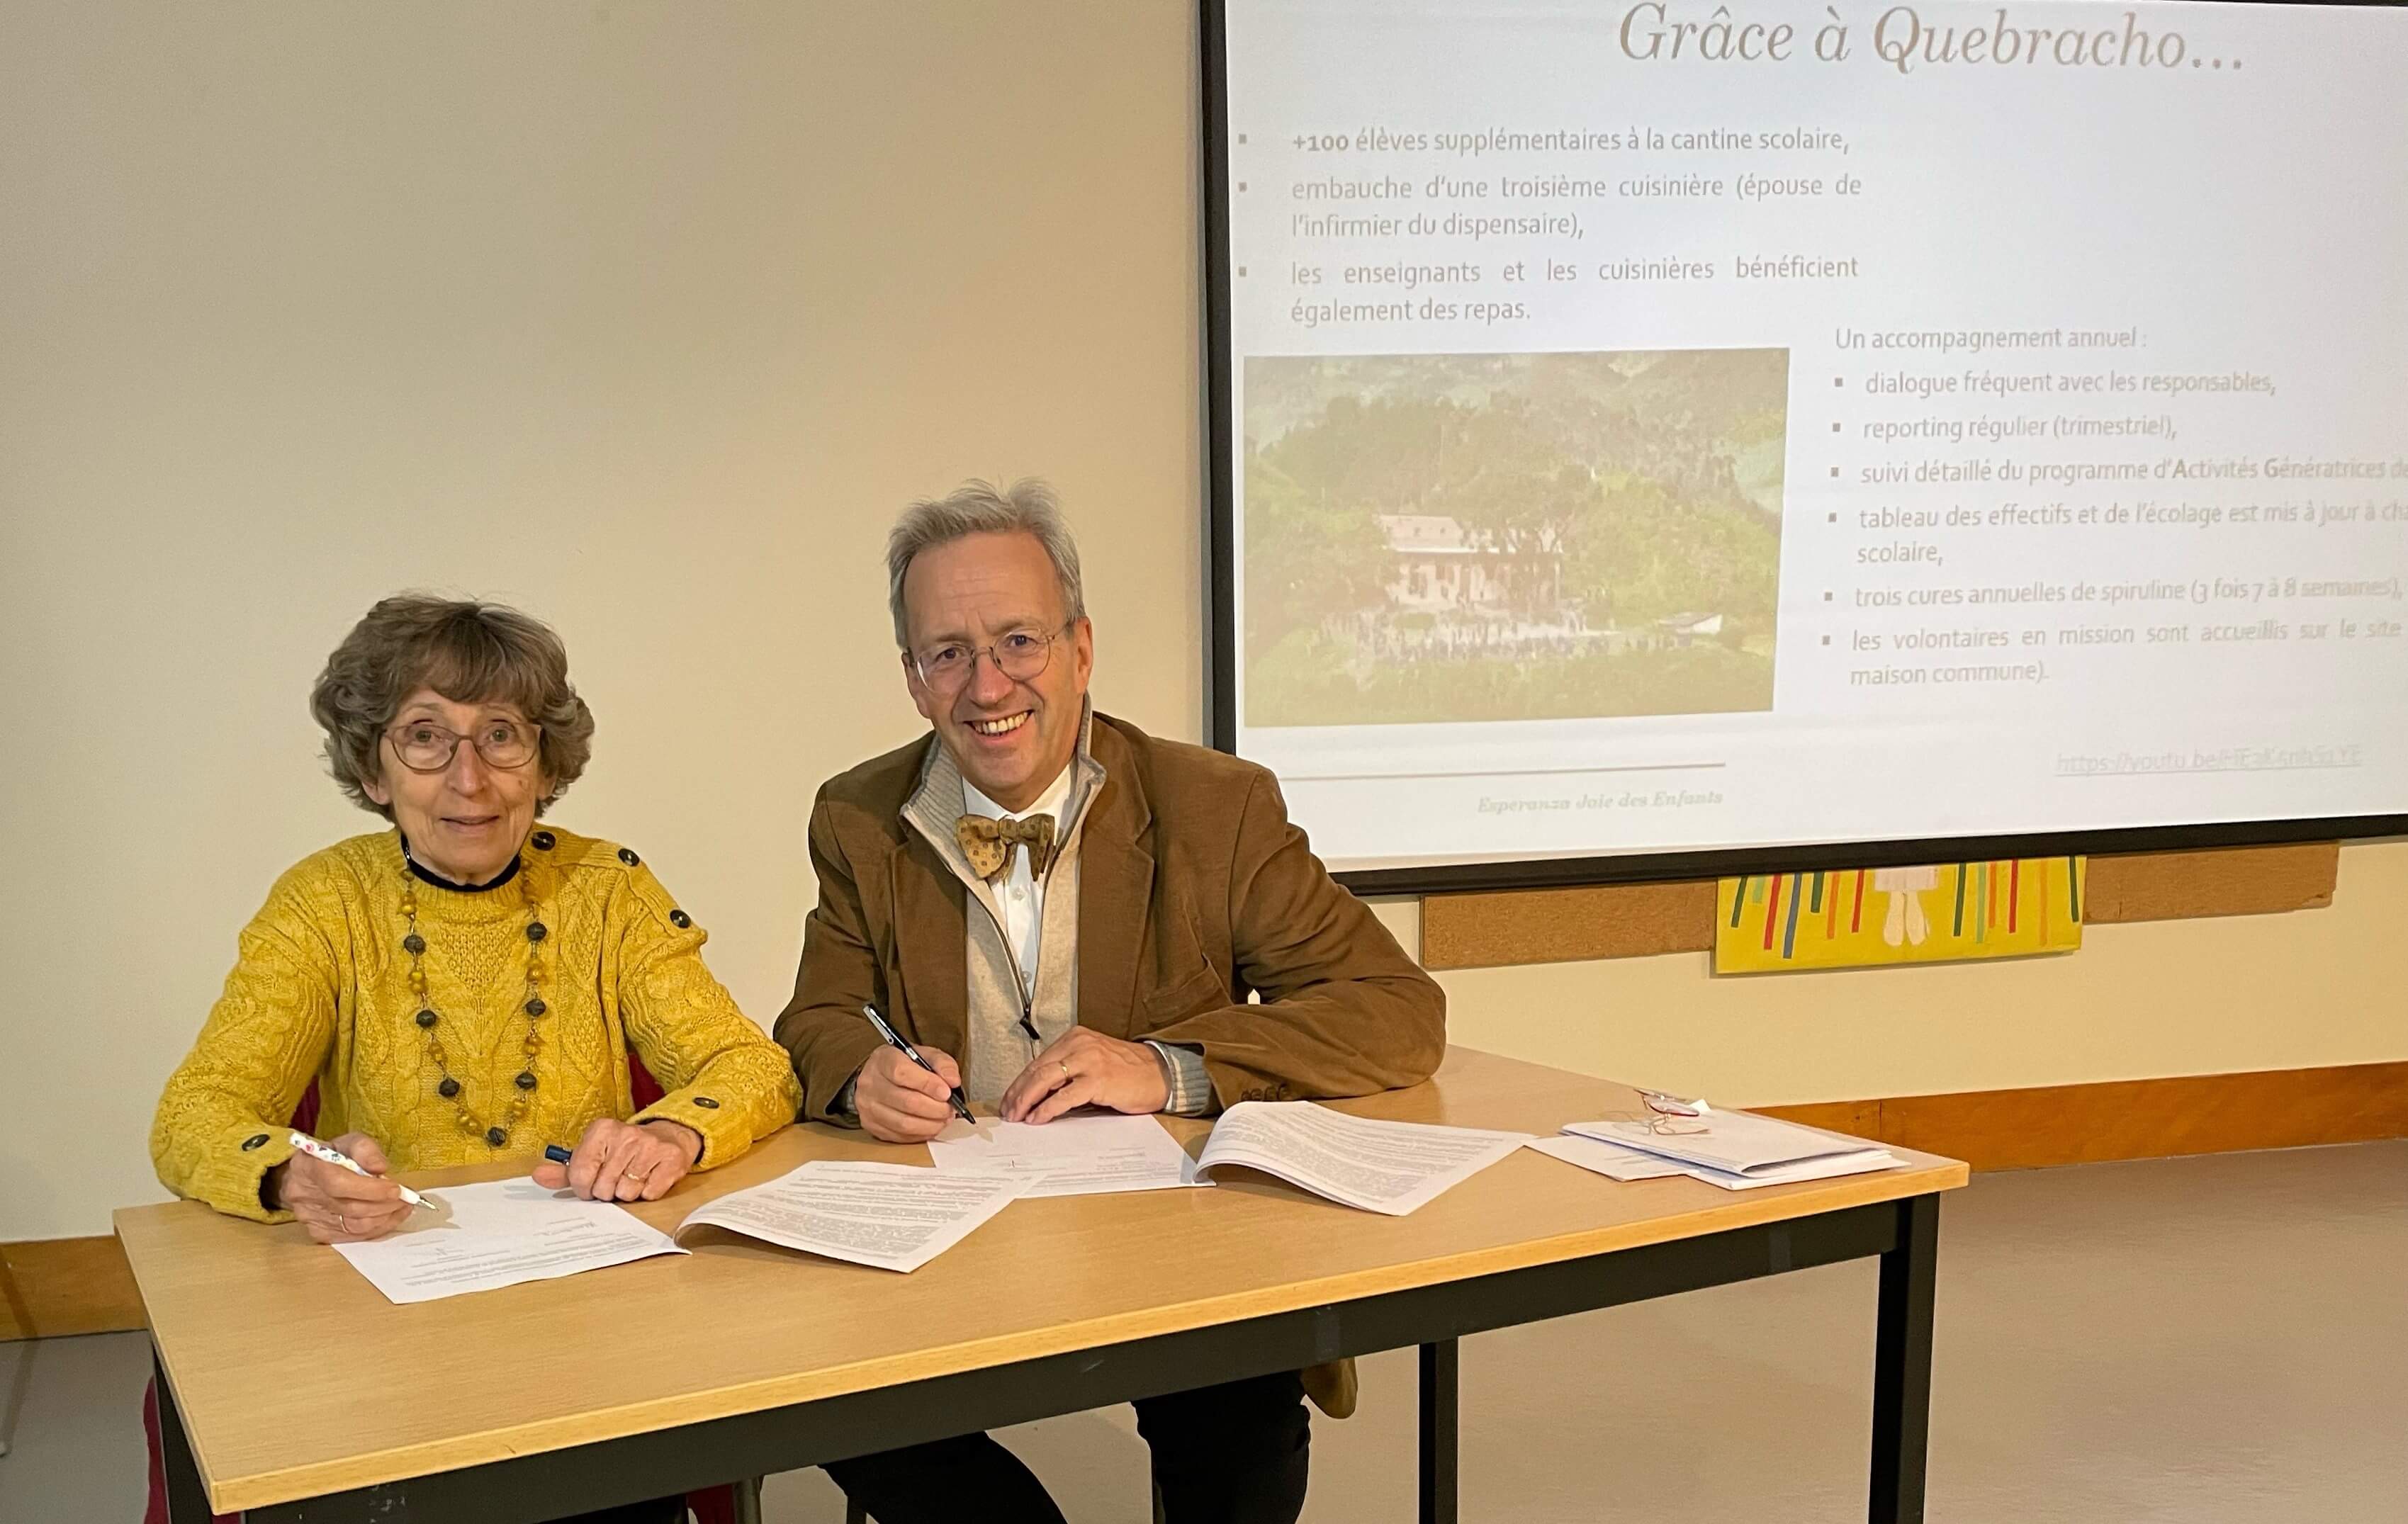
(2207, 1341)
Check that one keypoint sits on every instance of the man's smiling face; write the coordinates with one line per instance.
(982, 597)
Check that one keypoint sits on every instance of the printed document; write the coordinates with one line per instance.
(1083, 1154)
(1740, 1145)
(892, 1217)
(500, 1234)
(1618, 1162)
(1390, 1167)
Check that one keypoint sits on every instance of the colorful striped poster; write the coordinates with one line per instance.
(1863, 917)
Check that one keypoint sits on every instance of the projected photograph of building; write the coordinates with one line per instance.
(1519, 537)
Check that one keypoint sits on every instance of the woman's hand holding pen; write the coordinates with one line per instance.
(334, 1204)
(900, 1101)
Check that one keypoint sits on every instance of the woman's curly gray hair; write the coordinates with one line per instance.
(469, 652)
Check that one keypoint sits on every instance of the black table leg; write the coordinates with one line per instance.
(1438, 1431)
(1902, 1365)
(187, 1502)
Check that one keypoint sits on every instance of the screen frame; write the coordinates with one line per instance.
(1651, 867)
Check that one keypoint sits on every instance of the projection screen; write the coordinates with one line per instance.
(1654, 440)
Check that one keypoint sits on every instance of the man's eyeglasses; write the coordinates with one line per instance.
(426, 746)
(1022, 655)
(1667, 1116)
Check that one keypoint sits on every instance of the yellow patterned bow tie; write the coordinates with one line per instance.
(988, 844)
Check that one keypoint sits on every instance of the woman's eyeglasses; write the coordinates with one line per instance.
(426, 746)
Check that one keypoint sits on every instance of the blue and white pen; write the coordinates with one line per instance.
(327, 1152)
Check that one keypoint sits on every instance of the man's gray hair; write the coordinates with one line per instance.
(1028, 506)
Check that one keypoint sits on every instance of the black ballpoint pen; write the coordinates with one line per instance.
(894, 1040)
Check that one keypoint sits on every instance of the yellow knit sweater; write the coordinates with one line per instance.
(321, 990)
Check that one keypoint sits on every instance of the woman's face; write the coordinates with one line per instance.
(466, 819)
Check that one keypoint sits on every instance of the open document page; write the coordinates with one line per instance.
(1742, 1144)
(1390, 1167)
(500, 1234)
(893, 1217)
(1084, 1154)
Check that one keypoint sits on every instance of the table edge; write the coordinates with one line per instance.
(265, 1489)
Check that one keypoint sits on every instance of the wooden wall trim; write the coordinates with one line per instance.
(1637, 921)
(54, 1287)
(2140, 1118)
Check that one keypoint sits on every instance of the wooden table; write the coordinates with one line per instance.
(290, 1390)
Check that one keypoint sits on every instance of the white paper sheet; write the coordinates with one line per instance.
(1790, 1175)
(1622, 1164)
(1390, 1167)
(892, 1217)
(1608, 1159)
(500, 1234)
(1084, 1154)
(1731, 1142)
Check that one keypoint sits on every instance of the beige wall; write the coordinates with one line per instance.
(648, 316)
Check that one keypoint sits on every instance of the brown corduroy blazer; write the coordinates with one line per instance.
(1194, 890)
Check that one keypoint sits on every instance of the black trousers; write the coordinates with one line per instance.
(1232, 1454)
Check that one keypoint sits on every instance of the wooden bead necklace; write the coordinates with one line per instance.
(450, 1087)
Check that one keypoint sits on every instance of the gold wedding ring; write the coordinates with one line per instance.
(1063, 1067)
(341, 1223)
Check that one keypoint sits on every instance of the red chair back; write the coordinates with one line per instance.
(646, 1089)
(305, 1115)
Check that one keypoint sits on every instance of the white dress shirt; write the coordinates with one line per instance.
(1021, 894)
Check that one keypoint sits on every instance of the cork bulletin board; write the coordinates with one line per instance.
(1637, 921)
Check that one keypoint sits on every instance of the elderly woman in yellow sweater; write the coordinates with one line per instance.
(465, 988)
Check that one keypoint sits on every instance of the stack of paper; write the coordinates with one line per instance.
(1390, 1167)
(1734, 1149)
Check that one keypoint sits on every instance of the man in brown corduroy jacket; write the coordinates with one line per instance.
(1059, 910)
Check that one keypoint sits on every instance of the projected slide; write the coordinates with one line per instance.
(1665, 427)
